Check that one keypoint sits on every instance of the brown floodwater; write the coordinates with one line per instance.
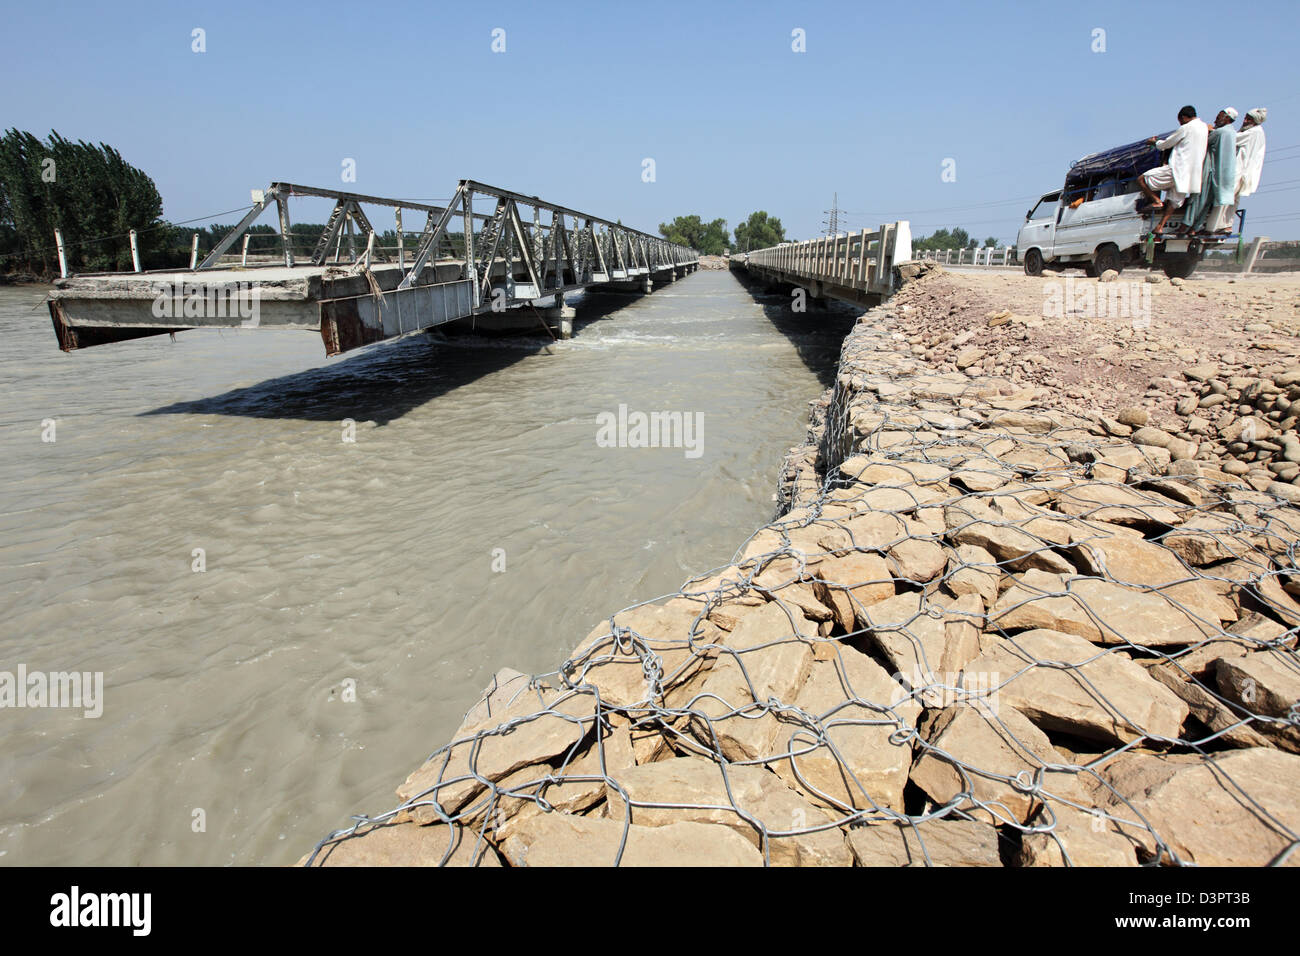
(370, 568)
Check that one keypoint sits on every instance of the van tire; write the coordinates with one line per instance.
(1033, 263)
(1179, 265)
(1107, 257)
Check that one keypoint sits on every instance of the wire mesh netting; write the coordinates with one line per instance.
(982, 633)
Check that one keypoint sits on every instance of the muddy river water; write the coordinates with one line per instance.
(288, 622)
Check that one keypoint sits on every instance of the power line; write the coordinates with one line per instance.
(123, 235)
(833, 225)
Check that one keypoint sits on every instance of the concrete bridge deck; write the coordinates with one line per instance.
(855, 267)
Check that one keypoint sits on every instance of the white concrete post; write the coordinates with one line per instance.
(1253, 254)
(401, 252)
(243, 258)
(135, 253)
(194, 253)
(63, 259)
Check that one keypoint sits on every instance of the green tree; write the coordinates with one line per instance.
(955, 238)
(88, 192)
(759, 231)
(991, 243)
(706, 238)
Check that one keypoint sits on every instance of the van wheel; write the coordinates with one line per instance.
(1033, 263)
(1107, 257)
(1179, 265)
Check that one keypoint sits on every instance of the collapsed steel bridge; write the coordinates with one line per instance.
(354, 291)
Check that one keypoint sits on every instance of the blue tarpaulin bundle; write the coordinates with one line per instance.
(1123, 162)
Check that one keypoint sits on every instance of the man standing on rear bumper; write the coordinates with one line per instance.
(1181, 176)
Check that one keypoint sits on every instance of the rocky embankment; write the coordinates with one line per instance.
(1208, 369)
(986, 632)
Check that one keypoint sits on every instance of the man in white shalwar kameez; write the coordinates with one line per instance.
(1206, 210)
(1181, 176)
(1250, 163)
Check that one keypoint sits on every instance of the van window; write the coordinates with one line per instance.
(1046, 208)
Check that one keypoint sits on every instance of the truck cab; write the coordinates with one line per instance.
(1096, 221)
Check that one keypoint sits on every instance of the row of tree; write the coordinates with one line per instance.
(96, 198)
(760, 231)
(89, 192)
(757, 232)
(956, 238)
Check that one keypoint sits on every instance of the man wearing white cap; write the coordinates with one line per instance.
(1250, 163)
(1250, 151)
(1205, 210)
(1181, 176)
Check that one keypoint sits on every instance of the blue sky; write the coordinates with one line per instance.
(734, 119)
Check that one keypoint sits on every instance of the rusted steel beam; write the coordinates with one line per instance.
(73, 337)
(341, 327)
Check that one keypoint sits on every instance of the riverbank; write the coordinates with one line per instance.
(1006, 631)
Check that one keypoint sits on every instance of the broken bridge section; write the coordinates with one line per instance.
(355, 289)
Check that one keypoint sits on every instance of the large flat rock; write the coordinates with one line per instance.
(560, 839)
(1097, 610)
(931, 843)
(1063, 682)
(1236, 808)
(984, 759)
(766, 657)
(650, 641)
(408, 844)
(854, 759)
(747, 799)
(525, 733)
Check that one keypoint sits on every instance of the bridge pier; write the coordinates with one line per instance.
(559, 317)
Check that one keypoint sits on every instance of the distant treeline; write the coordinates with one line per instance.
(96, 198)
(956, 238)
(88, 191)
(759, 231)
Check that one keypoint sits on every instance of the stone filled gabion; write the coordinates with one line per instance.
(983, 633)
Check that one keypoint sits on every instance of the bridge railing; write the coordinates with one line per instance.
(538, 247)
(988, 256)
(862, 261)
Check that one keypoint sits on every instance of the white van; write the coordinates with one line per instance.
(1106, 230)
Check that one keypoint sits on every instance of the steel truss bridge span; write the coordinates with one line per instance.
(355, 289)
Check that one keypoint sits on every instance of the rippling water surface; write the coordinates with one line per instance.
(329, 561)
